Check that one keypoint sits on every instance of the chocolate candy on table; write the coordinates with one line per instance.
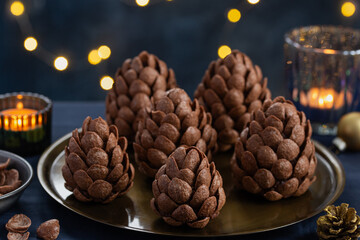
(9, 179)
(230, 90)
(18, 227)
(188, 189)
(274, 156)
(174, 120)
(97, 166)
(19, 223)
(136, 81)
(18, 236)
(48, 230)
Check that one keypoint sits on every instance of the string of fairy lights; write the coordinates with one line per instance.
(103, 52)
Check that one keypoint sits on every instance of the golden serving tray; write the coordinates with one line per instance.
(242, 213)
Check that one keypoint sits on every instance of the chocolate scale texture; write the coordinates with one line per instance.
(274, 155)
(97, 166)
(173, 120)
(188, 189)
(136, 81)
(230, 90)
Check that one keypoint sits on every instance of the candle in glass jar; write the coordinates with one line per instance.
(19, 118)
(322, 98)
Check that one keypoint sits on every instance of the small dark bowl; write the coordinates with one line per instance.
(25, 175)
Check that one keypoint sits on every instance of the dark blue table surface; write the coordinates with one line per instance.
(39, 206)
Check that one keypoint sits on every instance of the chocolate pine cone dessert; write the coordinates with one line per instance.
(173, 121)
(135, 83)
(187, 189)
(231, 89)
(97, 166)
(274, 156)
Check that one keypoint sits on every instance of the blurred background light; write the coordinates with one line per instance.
(61, 63)
(30, 44)
(106, 82)
(104, 52)
(142, 3)
(17, 8)
(253, 1)
(348, 9)
(223, 51)
(234, 15)
(94, 57)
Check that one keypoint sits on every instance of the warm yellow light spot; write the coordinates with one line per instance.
(329, 51)
(19, 96)
(142, 3)
(19, 105)
(40, 119)
(253, 1)
(348, 9)
(30, 44)
(106, 82)
(94, 57)
(61, 63)
(223, 51)
(104, 52)
(329, 98)
(17, 8)
(234, 15)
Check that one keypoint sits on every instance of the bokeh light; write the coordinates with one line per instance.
(223, 51)
(104, 52)
(94, 57)
(61, 63)
(106, 82)
(17, 8)
(142, 3)
(253, 1)
(234, 15)
(348, 9)
(30, 44)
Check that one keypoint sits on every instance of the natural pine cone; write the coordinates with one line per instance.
(187, 189)
(97, 166)
(275, 156)
(173, 121)
(231, 89)
(135, 83)
(340, 223)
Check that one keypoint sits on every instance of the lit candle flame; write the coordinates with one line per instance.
(20, 118)
(323, 98)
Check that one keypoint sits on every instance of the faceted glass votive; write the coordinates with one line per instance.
(322, 68)
(25, 123)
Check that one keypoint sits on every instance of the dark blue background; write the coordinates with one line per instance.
(184, 33)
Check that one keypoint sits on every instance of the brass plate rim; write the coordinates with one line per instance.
(330, 158)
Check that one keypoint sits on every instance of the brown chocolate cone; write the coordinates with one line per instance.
(188, 189)
(135, 83)
(230, 90)
(173, 121)
(274, 156)
(97, 166)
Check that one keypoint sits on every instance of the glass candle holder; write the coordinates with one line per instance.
(322, 66)
(25, 123)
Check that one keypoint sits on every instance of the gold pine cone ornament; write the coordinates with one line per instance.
(340, 223)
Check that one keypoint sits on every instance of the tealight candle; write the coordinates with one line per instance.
(25, 122)
(322, 98)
